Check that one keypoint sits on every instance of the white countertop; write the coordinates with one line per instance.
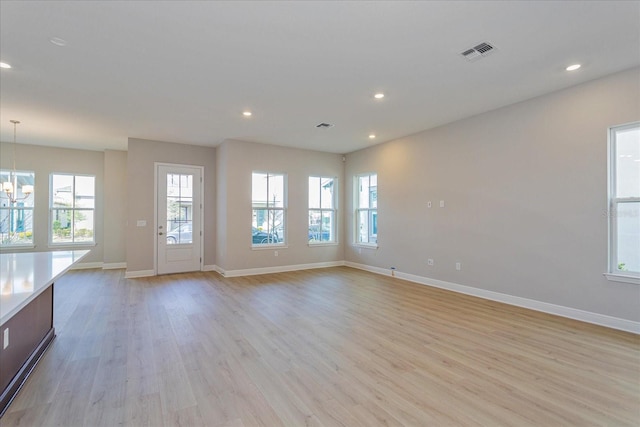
(24, 276)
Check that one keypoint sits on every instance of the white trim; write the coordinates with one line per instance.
(613, 277)
(321, 244)
(263, 246)
(114, 265)
(558, 310)
(156, 166)
(139, 273)
(86, 265)
(365, 245)
(278, 269)
(613, 202)
(11, 248)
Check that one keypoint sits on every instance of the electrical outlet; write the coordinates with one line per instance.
(458, 266)
(5, 339)
(275, 253)
(429, 204)
(429, 261)
(442, 203)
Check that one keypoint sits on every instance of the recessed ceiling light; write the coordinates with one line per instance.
(379, 95)
(58, 41)
(4, 65)
(246, 113)
(573, 67)
(372, 136)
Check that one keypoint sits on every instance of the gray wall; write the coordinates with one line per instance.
(525, 191)
(240, 159)
(115, 201)
(141, 158)
(44, 161)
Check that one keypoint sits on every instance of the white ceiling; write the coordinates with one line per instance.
(184, 71)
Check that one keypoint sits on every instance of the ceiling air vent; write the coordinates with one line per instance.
(324, 125)
(477, 52)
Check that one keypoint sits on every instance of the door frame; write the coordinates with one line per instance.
(156, 166)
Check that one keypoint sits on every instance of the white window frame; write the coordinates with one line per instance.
(334, 210)
(91, 242)
(283, 239)
(14, 208)
(614, 274)
(369, 211)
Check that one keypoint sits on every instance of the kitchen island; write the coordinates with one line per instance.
(26, 312)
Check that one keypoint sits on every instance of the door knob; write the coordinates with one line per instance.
(160, 233)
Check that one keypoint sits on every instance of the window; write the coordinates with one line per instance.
(16, 219)
(624, 200)
(72, 202)
(322, 210)
(268, 203)
(367, 209)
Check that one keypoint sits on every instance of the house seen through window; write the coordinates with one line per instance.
(16, 208)
(268, 208)
(72, 206)
(624, 200)
(322, 210)
(367, 209)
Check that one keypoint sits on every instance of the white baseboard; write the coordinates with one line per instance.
(86, 265)
(278, 269)
(558, 310)
(114, 265)
(139, 273)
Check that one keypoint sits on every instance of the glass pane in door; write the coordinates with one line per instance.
(179, 208)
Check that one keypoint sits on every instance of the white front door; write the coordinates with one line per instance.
(179, 217)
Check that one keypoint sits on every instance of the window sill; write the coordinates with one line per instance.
(319, 244)
(366, 245)
(17, 248)
(266, 247)
(625, 278)
(71, 245)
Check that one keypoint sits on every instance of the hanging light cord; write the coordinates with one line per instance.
(15, 123)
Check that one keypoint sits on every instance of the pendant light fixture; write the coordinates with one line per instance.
(10, 187)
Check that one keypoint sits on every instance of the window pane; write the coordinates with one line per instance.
(5, 226)
(326, 193)
(314, 192)
(373, 196)
(61, 220)
(268, 195)
(628, 238)
(62, 191)
(373, 221)
(363, 192)
(179, 208)
(267, 227)
(18, 181)
(321, 226)
(326, 231)
(627, 161)
(276, 191)
(363, 226)
(83, 226)
(181, 234)
(259, 190)
(85, 192)
(16, 226)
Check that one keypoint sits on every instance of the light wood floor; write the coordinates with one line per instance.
(325, 347)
